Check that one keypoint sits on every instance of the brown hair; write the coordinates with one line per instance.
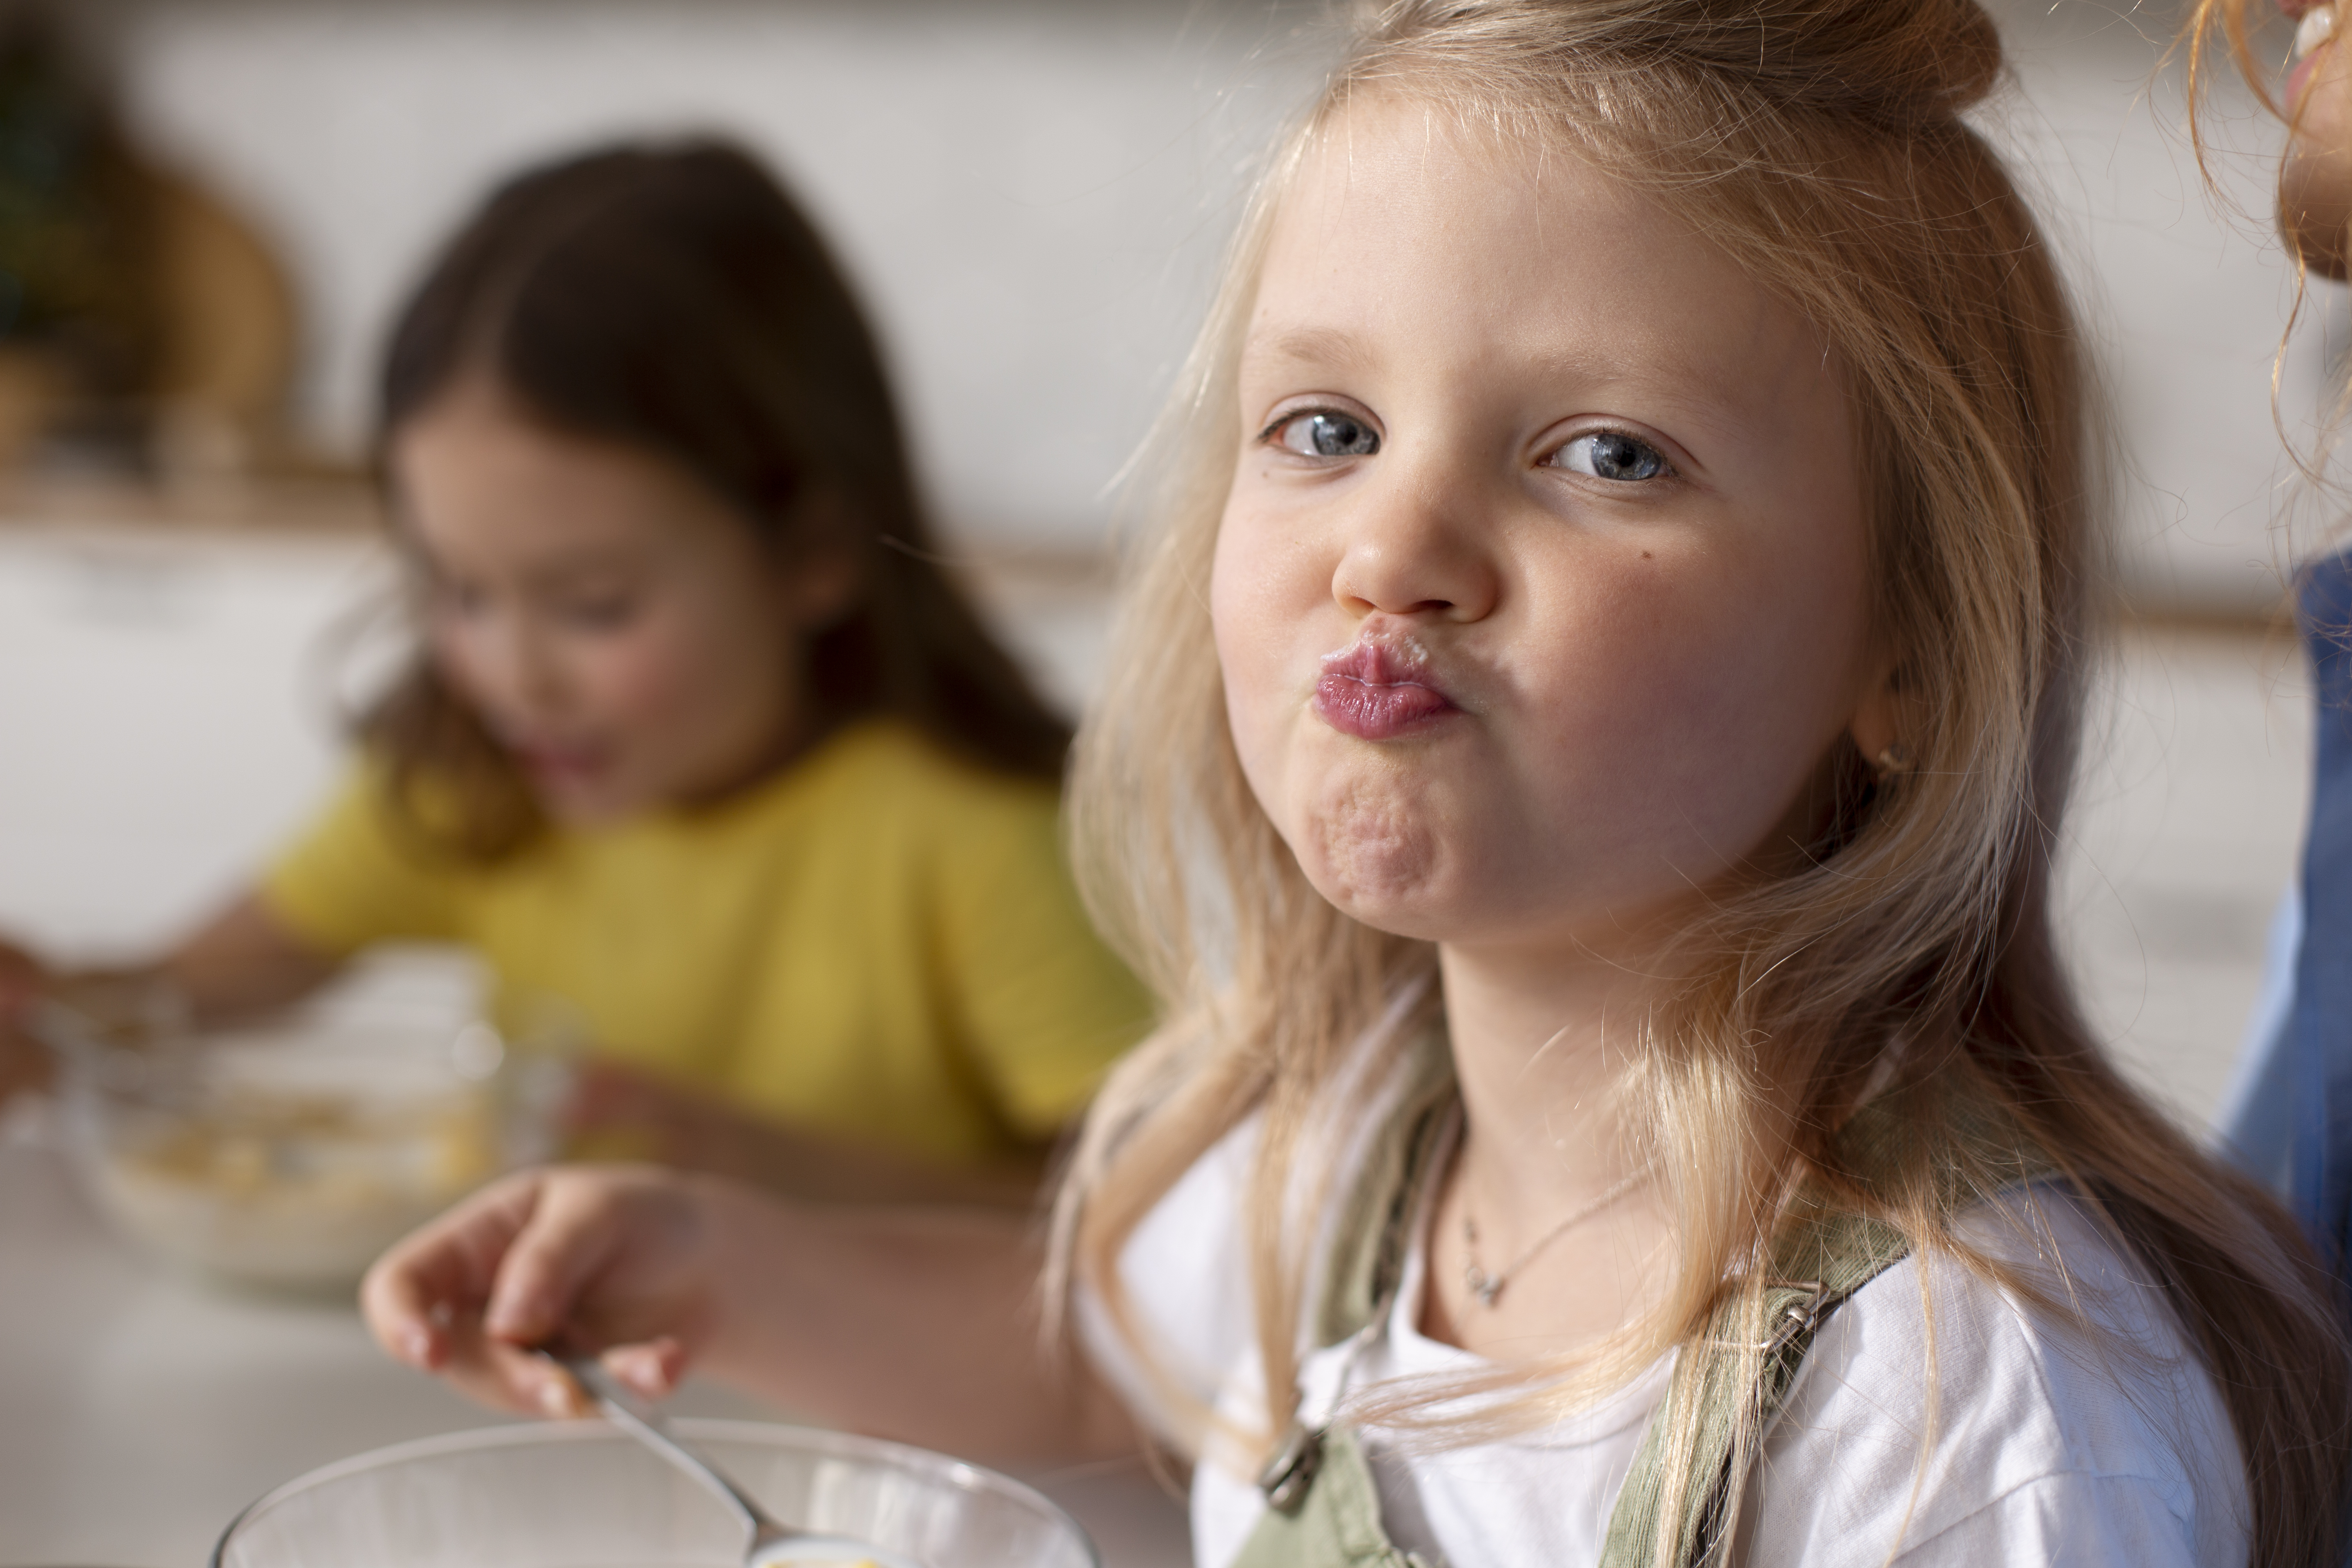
(1820, 144)
(674, 299)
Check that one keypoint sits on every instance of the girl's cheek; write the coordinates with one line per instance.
(1264, 592)
(1251, 667)
(463, 655)
(1669, 667)
(641, 674)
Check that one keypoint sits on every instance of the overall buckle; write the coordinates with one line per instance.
(1289, 1474)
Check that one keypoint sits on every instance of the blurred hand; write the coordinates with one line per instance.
(2316, 185)
(599, 1259)
(242, 961)
(619, 1112)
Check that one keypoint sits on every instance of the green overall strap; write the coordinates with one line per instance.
(1337, 1522)
(1821, 1258)
(1369, 1244)
(1323, 1503)
(1820, 1255)
(1324, 1508)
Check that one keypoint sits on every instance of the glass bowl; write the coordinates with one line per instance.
(582, 1494)
(287, 1153)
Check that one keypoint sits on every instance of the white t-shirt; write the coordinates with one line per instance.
(2049, 1447)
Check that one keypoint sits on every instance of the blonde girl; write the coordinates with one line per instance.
(1582, 774)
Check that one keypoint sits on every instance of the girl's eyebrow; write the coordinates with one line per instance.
(1336, 348)
(1329, 346)
(584, 565)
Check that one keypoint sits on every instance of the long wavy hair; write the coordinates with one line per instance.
(1822, 144)
(672, 298)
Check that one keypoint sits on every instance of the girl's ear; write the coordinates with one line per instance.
(820, 587)
(1886, 720)
(819, 576)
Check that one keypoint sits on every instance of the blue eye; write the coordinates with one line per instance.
(1610, 455)
(1325, 434)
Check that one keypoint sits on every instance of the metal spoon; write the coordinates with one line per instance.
(770, 1544)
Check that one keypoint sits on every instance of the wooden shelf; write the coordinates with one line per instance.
(324, 503)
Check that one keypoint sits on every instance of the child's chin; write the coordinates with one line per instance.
(1403, 906)
(577, 806)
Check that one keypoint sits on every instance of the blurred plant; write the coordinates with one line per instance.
(77, 286)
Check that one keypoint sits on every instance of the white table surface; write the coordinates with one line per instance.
(139, 1410)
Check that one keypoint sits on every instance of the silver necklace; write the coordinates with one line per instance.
(1488, 1287)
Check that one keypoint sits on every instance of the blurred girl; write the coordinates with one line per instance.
(702, 741)
(2315, 193)
(1582, 773)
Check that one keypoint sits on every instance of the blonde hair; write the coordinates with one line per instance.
(1820, 144)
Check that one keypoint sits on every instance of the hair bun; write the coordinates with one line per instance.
(1902, 59)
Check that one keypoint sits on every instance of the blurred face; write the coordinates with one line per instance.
(1539, 593)
(617, 626)
(2315, 187)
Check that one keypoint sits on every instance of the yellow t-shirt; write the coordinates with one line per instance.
(881, 943)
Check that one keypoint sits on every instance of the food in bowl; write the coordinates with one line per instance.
(290, 1153)
(298, 1185)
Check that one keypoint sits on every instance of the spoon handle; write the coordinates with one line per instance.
(624, 1410)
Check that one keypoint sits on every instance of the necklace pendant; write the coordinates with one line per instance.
(1479, 1284)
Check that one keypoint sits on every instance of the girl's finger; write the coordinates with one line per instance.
(502, 1375)
(419, 1293)
(508, 1377)
(651, 1370)
(530, 1381)
(400, 1298)
(571, 1234)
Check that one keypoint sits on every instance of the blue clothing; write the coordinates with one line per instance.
(2255, 1120)
(2317, 1036)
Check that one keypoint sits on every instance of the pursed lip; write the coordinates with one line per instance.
(2308, 58)
(2300, 77)
(1378, 689)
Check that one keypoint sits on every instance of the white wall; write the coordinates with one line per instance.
(167, 719)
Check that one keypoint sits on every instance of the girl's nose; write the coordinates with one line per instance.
(1412, 547)
(534, 670)
(505, 664)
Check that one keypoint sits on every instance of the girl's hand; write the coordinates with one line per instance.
(616, 1259)
(619, 1112)
(242, 961)
(917, 1324)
